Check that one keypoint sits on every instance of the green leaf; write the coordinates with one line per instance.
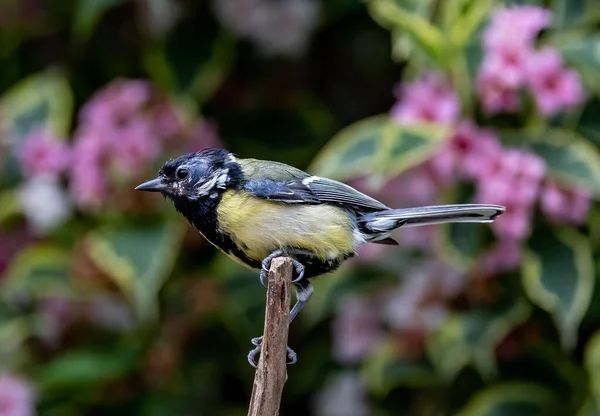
(13, 336)
(87, 15)
(574, 13)
(460, 244)
(463, 17)
(377, 145)
(558, 276)
(43, 99)
(583, 53)
(210, 74)
(570, 158)
(472, 337)
(9, 206)
(76, 369)
(139, 259)
(592, 365)
(510, 399)
(384, 371)
(588, 408)
(430, 39)
(39, 270)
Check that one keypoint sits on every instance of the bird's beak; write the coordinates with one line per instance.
(155, 185)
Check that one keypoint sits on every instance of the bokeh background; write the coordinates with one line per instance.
(111, 303)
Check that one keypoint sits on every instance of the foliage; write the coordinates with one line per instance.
(111, 302)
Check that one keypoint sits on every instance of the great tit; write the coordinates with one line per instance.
(255, 210)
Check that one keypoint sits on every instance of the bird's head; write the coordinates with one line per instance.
(202, 174)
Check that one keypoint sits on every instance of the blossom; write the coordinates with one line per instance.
(43, 153)
(44, 202)
(513, 180)
(496, 95)
(275, 27)
(16, 396)
(121, 130)
(553, 86)
(468, 153)
(356, 330)
(515, 25)
(564, 205)
(508, 44)
(429, 98)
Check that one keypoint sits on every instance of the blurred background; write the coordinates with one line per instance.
(110, 302)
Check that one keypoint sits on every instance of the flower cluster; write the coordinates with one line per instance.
(43, 158)
(16, 396)
(43, 154)
(122, 129)
(514, 178)
(415, 101)
(119, 132)
(511, 62)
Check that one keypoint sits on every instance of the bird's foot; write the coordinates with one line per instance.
(254, 354)
(266, 264)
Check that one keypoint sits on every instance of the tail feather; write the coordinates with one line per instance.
(439, 214)
(379, 224)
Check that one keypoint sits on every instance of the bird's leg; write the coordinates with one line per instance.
(304, 291)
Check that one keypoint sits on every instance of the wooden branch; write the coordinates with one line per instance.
(271, 373)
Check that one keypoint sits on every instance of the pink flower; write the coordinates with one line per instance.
(564, 205)
(515, 223)
(496, 95)
(508, 42)
(356, 330)
(43, 153)
(429, 98)
(119, 101)
(554, 87)
(16, 396)
(134, 146)
(514, 181)
(516, 25)
(467, 154)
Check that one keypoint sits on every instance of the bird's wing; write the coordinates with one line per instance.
(312, 190)
(280, 182)
(258, 170)
(329, 190)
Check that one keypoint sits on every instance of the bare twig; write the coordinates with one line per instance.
(271, 371)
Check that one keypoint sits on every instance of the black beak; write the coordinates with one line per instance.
(155, 185)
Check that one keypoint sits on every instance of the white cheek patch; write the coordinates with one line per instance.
(218, 180)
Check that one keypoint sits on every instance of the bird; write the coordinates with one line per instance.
(255, 210)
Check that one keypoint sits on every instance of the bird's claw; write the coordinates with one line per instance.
(299, 270)
(266, 265)
(254, 354)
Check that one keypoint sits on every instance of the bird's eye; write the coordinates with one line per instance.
(182, 173)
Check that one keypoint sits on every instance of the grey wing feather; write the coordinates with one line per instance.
(329, 190)
(283, 183)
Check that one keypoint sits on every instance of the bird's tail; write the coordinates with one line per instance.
(378, 225)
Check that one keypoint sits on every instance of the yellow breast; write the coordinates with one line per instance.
(259, 226)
